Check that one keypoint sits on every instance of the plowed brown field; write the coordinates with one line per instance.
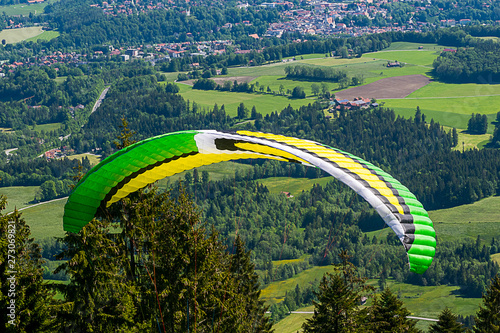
(393, 87)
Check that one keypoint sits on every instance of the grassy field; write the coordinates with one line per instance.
(417, 57)
(439, 89)
(217, 171)
(293, 322)
(275, 292)
(469, 141)
(495, 39)
(264, 103)
(13, 36)
(421, 301)
(46, 35)
(18, 196)
(293, 185)
(94, 159)
(406, 46)
(452, 112)
(45, 220)
(468, 221)
(305, 257)
(48, 127)
(24, 9)
(496, 258)
(481, 218)
(332, 62)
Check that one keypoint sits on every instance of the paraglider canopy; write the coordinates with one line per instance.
(147, 161)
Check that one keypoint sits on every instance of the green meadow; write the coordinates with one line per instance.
(469, 141)
(496, 258)
(24, 9)
(417, 57)
(13, 36)
(18, 196)
(216, 172)
(407, 46)
(45, 220)
(93, 159)
(46, 35)
(293, 322)
(421, 301)
(264, 103)
(331, 62)
(275, 291)
(468, 221)
(440, 89)
(452, 112)
(481, 218)
(292, 185)
(48, 127)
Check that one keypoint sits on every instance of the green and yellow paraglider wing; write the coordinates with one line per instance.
(147, 161)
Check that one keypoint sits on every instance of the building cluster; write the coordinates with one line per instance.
(324, 18)
(167, 51)
(58, 152)
(356, 103)
(45, 60)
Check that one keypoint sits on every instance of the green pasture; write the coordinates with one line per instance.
(48, 127)
(307, 56)
(496, 258)
(418, 57)
(46, 35)
(275, 291)
(422, 301)
(440, 89)
(407, 46)
(481, 218)
(171, 77)
(58, 295)
(429, 301)
(13, 36)
(264, 103)
(495, 39)
(304, 257)
(45, 220)
(292, 185)
(469, 141)
(452, 112)
(216, 172)
(468, 221)
(293, 322)
(448, 119)
(271, 69)
(24, 9)
(94, 159)
(332, 62)
(18, 196)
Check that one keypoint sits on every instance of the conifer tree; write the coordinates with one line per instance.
(447, 323)
(26, 303)
(389, 315)
(339, 296)
(248, 284)
(488, 317)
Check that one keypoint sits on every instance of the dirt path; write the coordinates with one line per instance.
(40, 203)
